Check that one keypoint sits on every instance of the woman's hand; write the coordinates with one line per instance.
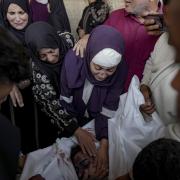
(86, 141)
(148, 107)
(80, 46)
(102, 159)
(16, 97)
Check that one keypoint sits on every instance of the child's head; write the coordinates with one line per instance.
(81, 161)
(160, 160)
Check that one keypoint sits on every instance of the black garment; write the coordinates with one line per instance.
(46, 78)
(58, 17)
(24, 119)
(93, 15)
(24, 4)
(9, 149)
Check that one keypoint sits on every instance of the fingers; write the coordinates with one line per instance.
(101, 170)
(13, 99)
(82, 147)
(82, 51)
(148, 109)
(155, 27)
(79, 49)
(19, 98)
(86, 142)
(91, 149)
(152, 27)
(76, 49)
(92, 136)
(148, 22)
(155, 33)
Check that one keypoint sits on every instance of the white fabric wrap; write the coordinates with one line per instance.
(107, 58)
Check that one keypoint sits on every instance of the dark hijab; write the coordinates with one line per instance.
(42, 35)
(93, 15)
(25, 6)
(58, 16)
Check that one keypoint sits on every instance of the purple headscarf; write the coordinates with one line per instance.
(101, 37)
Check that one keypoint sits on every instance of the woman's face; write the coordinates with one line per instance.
(49, 55)
(17, 17)
(101, 73)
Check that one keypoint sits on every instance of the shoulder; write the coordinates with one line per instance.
(163, 45)
(117, 13)
(115, 17)
(71, 60)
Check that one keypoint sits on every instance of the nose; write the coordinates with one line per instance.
(50, 58)
(17, 18)
(103, 75)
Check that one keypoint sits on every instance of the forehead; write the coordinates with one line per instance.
(46, 50)
(102, 67)
(14, 7)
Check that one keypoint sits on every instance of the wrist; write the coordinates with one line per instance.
(76, 132)
(104, 143)
(143, 87)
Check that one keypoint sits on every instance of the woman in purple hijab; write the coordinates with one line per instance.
(91, 87)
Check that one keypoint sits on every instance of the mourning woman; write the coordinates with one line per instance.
(47, 51)
(90, 87)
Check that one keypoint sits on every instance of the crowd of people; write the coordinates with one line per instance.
(68, 104)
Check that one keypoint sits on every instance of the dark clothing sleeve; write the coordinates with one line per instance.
(66, 99)
(47, 98)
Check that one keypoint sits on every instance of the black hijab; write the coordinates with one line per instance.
(58, 16)
(24, 4)
(42, 35)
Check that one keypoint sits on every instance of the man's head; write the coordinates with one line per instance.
(160, 160)
(172, 20)
(138, 7)
(14, 65)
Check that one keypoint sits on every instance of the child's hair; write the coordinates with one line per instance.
(14, 62)
(74, 151)
(160, 160)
